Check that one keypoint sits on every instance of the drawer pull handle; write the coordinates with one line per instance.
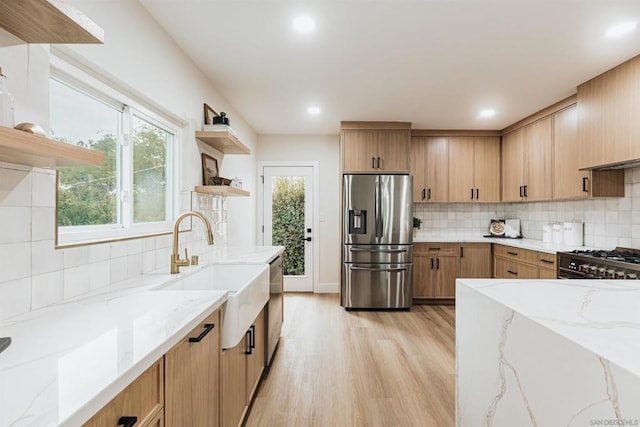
(437, 263)
(208, 327)
(547, 261)
(249, 347)
(513, 253)
(512, 272)
(253, 336)
(127, 421)
(434, 249)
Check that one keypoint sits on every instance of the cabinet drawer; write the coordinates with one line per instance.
(516, 254)
(546, 260)
(508, 269)
(143, 398)
(547, 273)
(436, 248)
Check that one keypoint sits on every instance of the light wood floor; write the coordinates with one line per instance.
(337, 368)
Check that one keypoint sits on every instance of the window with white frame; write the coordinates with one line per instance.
(133, 193)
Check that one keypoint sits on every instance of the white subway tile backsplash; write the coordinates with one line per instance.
(134, 246)
(47, 289)
(76, 281)
(74, 257)
(43, 225)
(134, 265)
(16, 222)
(15, 297)
(148, 261)
(118, 269)
(45, 258)
(44, 189)
(99, 274)
(100, 252)
(15, 188)
(16, 261)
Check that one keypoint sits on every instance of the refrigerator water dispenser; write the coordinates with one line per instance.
(357, 221)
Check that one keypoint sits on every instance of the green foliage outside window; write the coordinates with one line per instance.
(288, 222)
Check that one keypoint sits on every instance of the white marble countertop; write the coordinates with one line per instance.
(531, 244)
(602, 316)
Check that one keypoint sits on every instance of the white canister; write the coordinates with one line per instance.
(557, 233)
(573, 233)
(546, 233)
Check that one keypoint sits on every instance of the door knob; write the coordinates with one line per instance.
(308, 239)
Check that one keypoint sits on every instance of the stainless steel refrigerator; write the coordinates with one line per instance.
(377, 242)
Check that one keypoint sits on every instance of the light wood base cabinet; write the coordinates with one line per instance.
(513, 263)
(143, 400)
(192, 377)
(242, 368)
(476, 261)
(435, 268)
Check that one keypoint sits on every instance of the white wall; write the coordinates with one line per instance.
(326, 150)
(145, 62)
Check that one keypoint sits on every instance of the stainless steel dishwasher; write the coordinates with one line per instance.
(275, 307)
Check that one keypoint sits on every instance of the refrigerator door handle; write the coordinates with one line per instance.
(377, 269)
(378, 212)
(379, 251)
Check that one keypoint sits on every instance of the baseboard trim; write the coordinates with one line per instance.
(326, 288)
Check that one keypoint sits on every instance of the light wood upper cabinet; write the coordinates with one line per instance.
(358, 151)
(393, 150)
(513, 166)
(462, 169)
(474, 169)
(569, 182)
(371, 150)
(538, 160)
(429, 167)
(527, 162)
(192, 377)
(608, 126)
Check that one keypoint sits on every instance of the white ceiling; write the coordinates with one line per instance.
(432, 63)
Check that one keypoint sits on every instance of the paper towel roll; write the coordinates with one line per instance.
(573, 233)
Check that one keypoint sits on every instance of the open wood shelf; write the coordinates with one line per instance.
(48, 21)
(223, 140)
(221, 190)
(27, 149)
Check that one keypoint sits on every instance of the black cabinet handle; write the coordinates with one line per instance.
(585, 180)
(378, 162)
(434, 249)
(547, 261)
(437, 263)
(512, 272)
(513, 253)
(521, 191)
(429, 194)
(208, 327)
(249, 348)
(461, 252)
(432, 263)
(253, 336)
(472, 194)
(127, 421)
(306, 239)
(424, 193)
(525, 190)
(477, 194)
(373, 163)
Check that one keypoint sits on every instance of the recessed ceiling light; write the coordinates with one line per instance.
(621, 29)
(313, 110)
(489, 112)
(304, 24)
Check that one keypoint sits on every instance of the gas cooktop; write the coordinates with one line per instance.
(620, 263)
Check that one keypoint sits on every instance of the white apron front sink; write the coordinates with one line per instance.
(248, 287)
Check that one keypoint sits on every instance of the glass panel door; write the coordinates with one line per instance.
(288, 221)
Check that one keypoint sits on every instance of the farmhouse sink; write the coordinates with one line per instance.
(248, 287)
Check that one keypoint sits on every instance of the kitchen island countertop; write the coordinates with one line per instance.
(557, 352)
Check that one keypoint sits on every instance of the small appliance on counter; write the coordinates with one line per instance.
(546, 233)
(573, 233)
(505, 228)
(557, 237)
